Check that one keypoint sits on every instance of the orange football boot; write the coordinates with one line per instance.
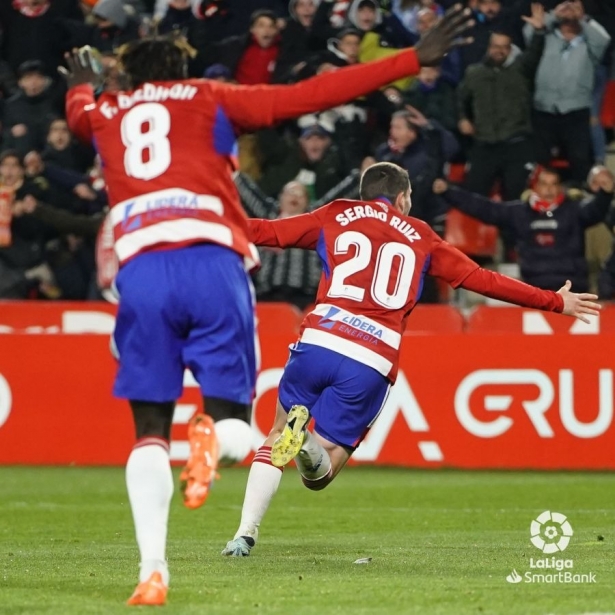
(152, 592)
(199, 473)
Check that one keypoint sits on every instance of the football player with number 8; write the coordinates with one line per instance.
(168, 148)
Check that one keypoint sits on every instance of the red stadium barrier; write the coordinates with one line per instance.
(429, 319)
(491, 400)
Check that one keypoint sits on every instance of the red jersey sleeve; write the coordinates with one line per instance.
(449, 264)
(250, 107)
(296, 232)
(77, 99)
(458, 270)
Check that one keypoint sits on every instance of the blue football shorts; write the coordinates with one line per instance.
(343, 396)
(189, 307)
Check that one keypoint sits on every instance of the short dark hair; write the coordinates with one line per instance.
(31, 66)
(548, 171)
(383, 179)
(256, 15)
(11, 153)
(501, 32)
(154, 58)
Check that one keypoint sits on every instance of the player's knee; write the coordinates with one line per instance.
(235, 438)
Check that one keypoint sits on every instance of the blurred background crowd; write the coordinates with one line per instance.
(508, 143)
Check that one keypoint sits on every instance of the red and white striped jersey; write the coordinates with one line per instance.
(168, 149)
(374, 261)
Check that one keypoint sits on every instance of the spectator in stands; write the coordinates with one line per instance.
(23, 267)
(422, 147)
(289, 275)
(226, 18)
(115, 24)
(27, 114)
(179, 17)
(549, 229)
(574, 47)
(603, 11)
(407, 12)
(489, 17)
(599, 238)
(495, 110)
(29, 31)
(251, 57)
(382, 34)
(313, 160)
(343, 50)
(451, 66)
(63, 151)
(434, 97)
(67, 189)
(299, 40)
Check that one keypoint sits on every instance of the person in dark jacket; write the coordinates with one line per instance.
(299, 40)
(495, 109)
(434, 97)
(65, 152)
(313, 160)
(114, 25)
(227, 18)
(29, 31)
(27, 113)
(549, 229)
(422, 147)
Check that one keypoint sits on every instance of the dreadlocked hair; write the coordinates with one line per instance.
(155, 58)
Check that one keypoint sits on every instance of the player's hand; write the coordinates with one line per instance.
(83, 68)
(578, 305)
(445, 35)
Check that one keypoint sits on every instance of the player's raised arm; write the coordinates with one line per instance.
(80, 78)
(295, 232)
(459, 271)
(256, 106)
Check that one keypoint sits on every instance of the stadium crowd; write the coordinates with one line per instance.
(515, 116)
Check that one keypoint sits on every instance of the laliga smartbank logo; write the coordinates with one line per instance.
(551, 532)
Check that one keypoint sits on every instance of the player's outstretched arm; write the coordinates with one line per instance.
(578, 305)
(295, 232)
(257, 106)
(459, 271)
(80, 76)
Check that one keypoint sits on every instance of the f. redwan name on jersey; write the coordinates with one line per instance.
(149, 93)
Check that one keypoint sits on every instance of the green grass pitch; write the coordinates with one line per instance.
(442, 542)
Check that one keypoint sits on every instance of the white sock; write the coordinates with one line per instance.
(313, 461)
(150, 488)
(235, 439)
(263, 482)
